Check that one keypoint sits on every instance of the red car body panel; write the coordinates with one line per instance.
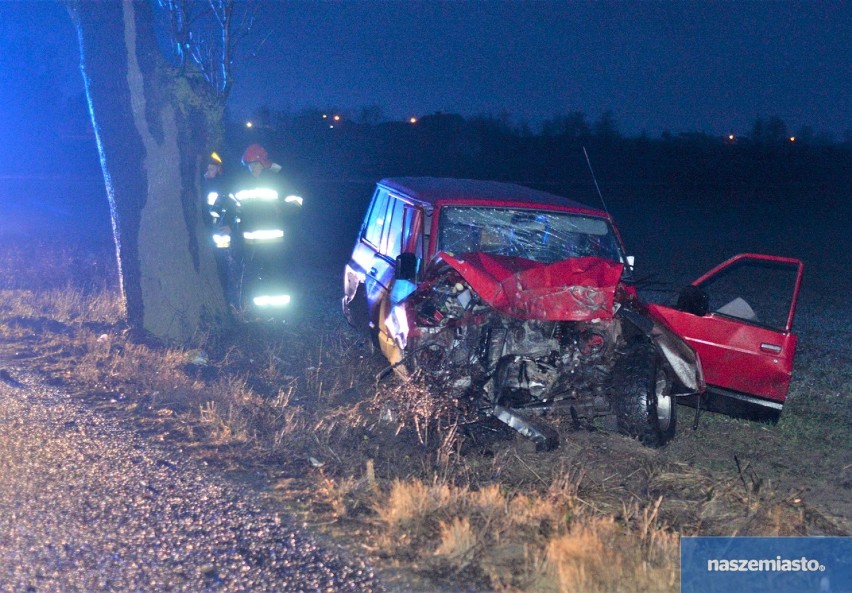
(576, 289)
(736, 355)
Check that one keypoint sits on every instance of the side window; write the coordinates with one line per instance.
(392, 245)
(412, 237)
(377, 219)
(740, 291)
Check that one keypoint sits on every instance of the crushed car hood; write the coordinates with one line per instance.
(576, 289)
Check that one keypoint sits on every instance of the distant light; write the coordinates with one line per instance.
(336, 118)
(331, 127)
(294, 200)
(249, 124)
(412, 120)
(324, 116)
(731, 136)
(792, 138)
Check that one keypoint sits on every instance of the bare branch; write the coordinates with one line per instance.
(208, 32)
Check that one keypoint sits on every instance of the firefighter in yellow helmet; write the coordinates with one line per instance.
(212, 187)
(220, 215)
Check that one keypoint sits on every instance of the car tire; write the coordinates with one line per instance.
(645, 408)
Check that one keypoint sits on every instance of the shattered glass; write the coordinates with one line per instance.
(541, 236)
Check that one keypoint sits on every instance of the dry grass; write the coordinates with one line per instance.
(237, 414)
(514, 541)
(66, 305)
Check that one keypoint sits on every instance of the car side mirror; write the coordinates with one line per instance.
(406, 266)
(693, 299)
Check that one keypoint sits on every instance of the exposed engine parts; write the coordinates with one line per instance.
(465, 348)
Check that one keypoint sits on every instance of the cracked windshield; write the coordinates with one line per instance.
(541, 236)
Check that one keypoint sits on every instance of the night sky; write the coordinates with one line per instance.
(673, 66)
(679, 66)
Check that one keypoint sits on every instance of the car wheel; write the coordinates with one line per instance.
(644, 405)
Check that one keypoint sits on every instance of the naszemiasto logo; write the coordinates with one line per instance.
(777, 564)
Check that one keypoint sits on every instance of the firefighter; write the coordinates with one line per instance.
(267, 214)
(220, 215)
(212, 187)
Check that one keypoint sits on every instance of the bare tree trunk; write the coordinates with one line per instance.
(152, 130)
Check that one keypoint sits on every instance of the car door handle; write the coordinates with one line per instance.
(773, 348)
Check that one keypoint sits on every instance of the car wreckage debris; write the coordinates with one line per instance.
(543, 435)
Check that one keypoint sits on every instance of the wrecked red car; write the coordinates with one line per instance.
(523, 302)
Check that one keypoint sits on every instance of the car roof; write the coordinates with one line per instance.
(433, 190)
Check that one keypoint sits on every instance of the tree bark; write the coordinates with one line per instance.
(152, 130)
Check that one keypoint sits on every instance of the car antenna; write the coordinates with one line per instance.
(595, 179)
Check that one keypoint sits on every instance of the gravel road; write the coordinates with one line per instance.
(87, 505)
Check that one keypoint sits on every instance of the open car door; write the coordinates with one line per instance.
(738, 317)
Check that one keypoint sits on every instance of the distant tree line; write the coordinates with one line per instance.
(313, 143)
